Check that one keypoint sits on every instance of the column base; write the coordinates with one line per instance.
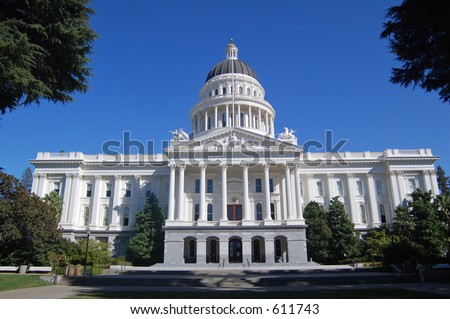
(223, 222)
(295, 222)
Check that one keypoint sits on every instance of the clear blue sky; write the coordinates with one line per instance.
(322, 64)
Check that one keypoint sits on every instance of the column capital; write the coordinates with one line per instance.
(266, 166)
(69, 175)
(76, 175)
(350, 174)
(98, 177)
(137, 177)
(117, 177)
(202, 166)
(330, 175)
(370, 175)
(310, 175)
(181, 167)
(224, 166)
(172, 166)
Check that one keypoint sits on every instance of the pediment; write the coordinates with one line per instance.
(231, 139)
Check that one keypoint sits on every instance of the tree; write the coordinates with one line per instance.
(44, 49)
(419, 35)
(28, 225)
(442, 180)
(147, 246)
(27, 179)
(344, 241)
(378, 244)
(54, 200)
(318, 234)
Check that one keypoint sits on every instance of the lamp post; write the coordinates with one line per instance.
(87, 250)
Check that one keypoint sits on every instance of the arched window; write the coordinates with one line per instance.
(242, 119)
(248, 91)
(209, 123)
(196, 211)
(362, 212)
(210, 212)
(254, 93)
(241, 90)
(231, 119)
(86, 216)
(259, 211)
(224, 90)
(192, 253)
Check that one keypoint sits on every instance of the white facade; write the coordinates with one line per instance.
(232, 190)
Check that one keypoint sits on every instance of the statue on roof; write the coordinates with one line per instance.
(179, 135)
(287, 135)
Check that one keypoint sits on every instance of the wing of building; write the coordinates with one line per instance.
(233, 191)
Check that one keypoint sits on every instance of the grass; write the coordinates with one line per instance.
(319, 294)
(9, 282)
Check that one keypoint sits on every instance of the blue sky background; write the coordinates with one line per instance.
(322, 64)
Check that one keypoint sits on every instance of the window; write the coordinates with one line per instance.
(209, 123)
(359, 188)
(319, 188)
(210, 212)
(231, 119)
(362, 213)
(272, 210)
(234, 212)
(209, 186)
(126, 217)
(241, 90)
(148, 189)
(108, 190)
(196, 211)
(382, 213)
(258, 187)
(379, 188)
(224, 90)
(209, 94)
(248, 91)
(224, 119)
(259, 211)
(105, 216)
(56, 186)
(242, 119)
(216, 92)
(412, 185)
(340, 188)
(88, 190)
(254, 93)
(127, 190)
(197, 186)
(192, 248)
(271, 184)
(86, 216)
(256, 122)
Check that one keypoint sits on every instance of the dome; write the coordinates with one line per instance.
(231, 64)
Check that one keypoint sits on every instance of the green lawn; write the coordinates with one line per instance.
(9, 282)
(322, 294)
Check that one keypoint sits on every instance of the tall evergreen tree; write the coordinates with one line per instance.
(147, 246)
(44, 51)
(442, 180)
(344, 241)
(318, 234)
(27, 179)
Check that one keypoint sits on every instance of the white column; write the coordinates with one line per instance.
(66, 197)
(293, 200)
(374, 215)
(239, 116)
(171, 213)
(259, 120)
(283, 192)
(180, 201)
(198, 122)
(353, 213)
(298, 193)
(224, 193)
(215, 117)
(41, 186)
(311, 186)
(136, 195)
(426, 180)
(401, 186)
(267, 123)
(395, 196)
(267, 192)
(116, 196)
(74, 199)
(287, 178)
(202, 216)
(34, 187)
(273, 126)
(330, 180)
(95, 202)
(206, 120)
(247, 213)
(433, 181)
(250, 119)
(228, 117)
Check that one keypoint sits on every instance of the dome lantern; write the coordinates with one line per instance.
(232, 51)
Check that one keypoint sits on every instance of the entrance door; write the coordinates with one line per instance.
(234, 212)
(213, 255)
(256, 251)
(235, 250)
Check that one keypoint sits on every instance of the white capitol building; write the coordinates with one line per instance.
(232, 190)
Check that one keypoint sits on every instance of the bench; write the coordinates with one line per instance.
(45, 269)
(9, 269)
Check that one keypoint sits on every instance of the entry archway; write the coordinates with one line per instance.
(235, 250)
(212, 250)
(258, 250)
(190, 250)
(281, 250)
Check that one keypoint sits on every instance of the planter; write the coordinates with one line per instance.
(71, 271)
(79, 271)
(23, 269)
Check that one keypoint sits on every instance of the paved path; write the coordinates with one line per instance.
(66, 291)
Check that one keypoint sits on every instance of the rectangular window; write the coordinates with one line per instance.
(234, 212)
(271, 184)
(359, 188)
(56, 187)
(88, 190)
(412, 185)
(209, 186)
(301, 188)
(126, 216)
(340, 188)
(379, 187)
(197, 186)
(196, 211)
(106, 216)
(319, 188)
(210, 213)
(382, 213)
(108, 189)
(127, 190)
(258, 187)
(224, 90)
